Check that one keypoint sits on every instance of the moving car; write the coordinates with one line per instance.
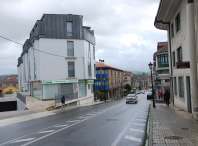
(149, 95)
(131, 98)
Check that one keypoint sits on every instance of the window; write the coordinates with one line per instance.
(82, 88)
(29, 72)
(175, 85)
(111, 73)
(172, 30)
(118, 74)
(71, 71)
(14, 85)
(69, 29)
(70, 49)
(88, 86)
(115, 82)
(89, 60)
(167, 80)
(10, 89)
(111, 83)
(115, 74)
(34, 65)
(173, 58)
(177, 20)
(163, 60)
(93, 52)
(181, 87)
(179, 53)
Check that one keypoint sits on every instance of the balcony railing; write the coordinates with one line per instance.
(163, 65)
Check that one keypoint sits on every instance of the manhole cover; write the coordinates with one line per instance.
(173, 137)
(185, 128)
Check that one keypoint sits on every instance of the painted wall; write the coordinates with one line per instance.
(13, 88)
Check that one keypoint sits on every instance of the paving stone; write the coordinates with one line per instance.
(170, 121)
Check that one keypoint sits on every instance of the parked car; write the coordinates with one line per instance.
(149, 95)
(137, 92)
(142, 92)
(131, 98)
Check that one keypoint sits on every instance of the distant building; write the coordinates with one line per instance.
(9, 80)
(59, 59)
(10, 88)
(161, 68)
(127, 78)
(108, 79)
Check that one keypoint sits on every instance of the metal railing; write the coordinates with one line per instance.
(68, 97)
(21, 97)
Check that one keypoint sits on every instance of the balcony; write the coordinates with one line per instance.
(97, 76)
(163, 65)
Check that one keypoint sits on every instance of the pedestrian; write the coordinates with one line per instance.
(63, 101)
(164, 98)
(167, 94)
(105, 98)
(159, 95)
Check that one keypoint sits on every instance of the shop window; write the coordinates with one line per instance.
(181, 87)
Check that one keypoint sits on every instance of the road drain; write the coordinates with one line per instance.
(173, 137)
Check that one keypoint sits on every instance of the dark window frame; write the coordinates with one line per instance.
(179, 54)
(178, 22)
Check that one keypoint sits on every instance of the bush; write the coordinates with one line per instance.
(101, 94)
(128, 87)
(9, 92)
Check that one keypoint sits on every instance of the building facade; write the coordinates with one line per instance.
(180, 19)
(58, 59)
(127, 77)
(161, 68)
(9, 80)
(108, 79)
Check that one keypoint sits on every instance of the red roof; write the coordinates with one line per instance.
(164, 48)
(126, 73)
(102, 65)
(12, 78)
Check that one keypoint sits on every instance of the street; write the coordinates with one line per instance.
(109, 124)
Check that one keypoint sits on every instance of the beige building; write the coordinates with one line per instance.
(180, 19)
(127, 78)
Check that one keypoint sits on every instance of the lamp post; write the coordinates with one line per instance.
(150, 67)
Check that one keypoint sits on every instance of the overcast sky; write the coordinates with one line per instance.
(125, 35)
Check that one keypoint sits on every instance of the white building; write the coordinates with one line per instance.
(180, 19)
(59, 59)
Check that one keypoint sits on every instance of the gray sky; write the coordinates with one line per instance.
(125, 35)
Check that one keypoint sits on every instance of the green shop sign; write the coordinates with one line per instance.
(60, 81)
(90, 81)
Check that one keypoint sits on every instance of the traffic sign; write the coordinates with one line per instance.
(155, 87)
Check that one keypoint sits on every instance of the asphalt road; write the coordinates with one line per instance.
(109, 124)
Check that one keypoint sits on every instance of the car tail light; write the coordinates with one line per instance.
(126, 98)
(134, 97)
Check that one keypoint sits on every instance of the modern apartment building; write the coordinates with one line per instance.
(108, 79)
(161, 68)
(180, 19)
(58, 59)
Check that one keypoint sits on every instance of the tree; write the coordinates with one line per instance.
(140, 88)
(128, 87)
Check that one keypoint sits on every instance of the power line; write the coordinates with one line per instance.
(32, 48)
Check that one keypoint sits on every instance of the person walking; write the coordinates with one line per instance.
(167, 95)
(63, 101)
(159, 95)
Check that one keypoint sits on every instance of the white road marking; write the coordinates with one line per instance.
(124, 130)
(60, 125)
(133, 138)
(84, 117)
(46, 131)
(65, 128)
(73, 121)
(139, 124)
(140, 119)
(22, 140)
(141, 116)
(137, 130)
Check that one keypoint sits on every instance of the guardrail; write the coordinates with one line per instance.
(21, 97)
(68, 97)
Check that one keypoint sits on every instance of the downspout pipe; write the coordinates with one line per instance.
(169, 36)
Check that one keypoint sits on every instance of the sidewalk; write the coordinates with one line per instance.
(170, 122)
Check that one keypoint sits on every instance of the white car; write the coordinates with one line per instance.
(131, 98)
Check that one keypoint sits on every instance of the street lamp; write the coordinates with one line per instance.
(150, 67)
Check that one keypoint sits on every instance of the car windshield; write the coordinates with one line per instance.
(150, 93)
(132, 95)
